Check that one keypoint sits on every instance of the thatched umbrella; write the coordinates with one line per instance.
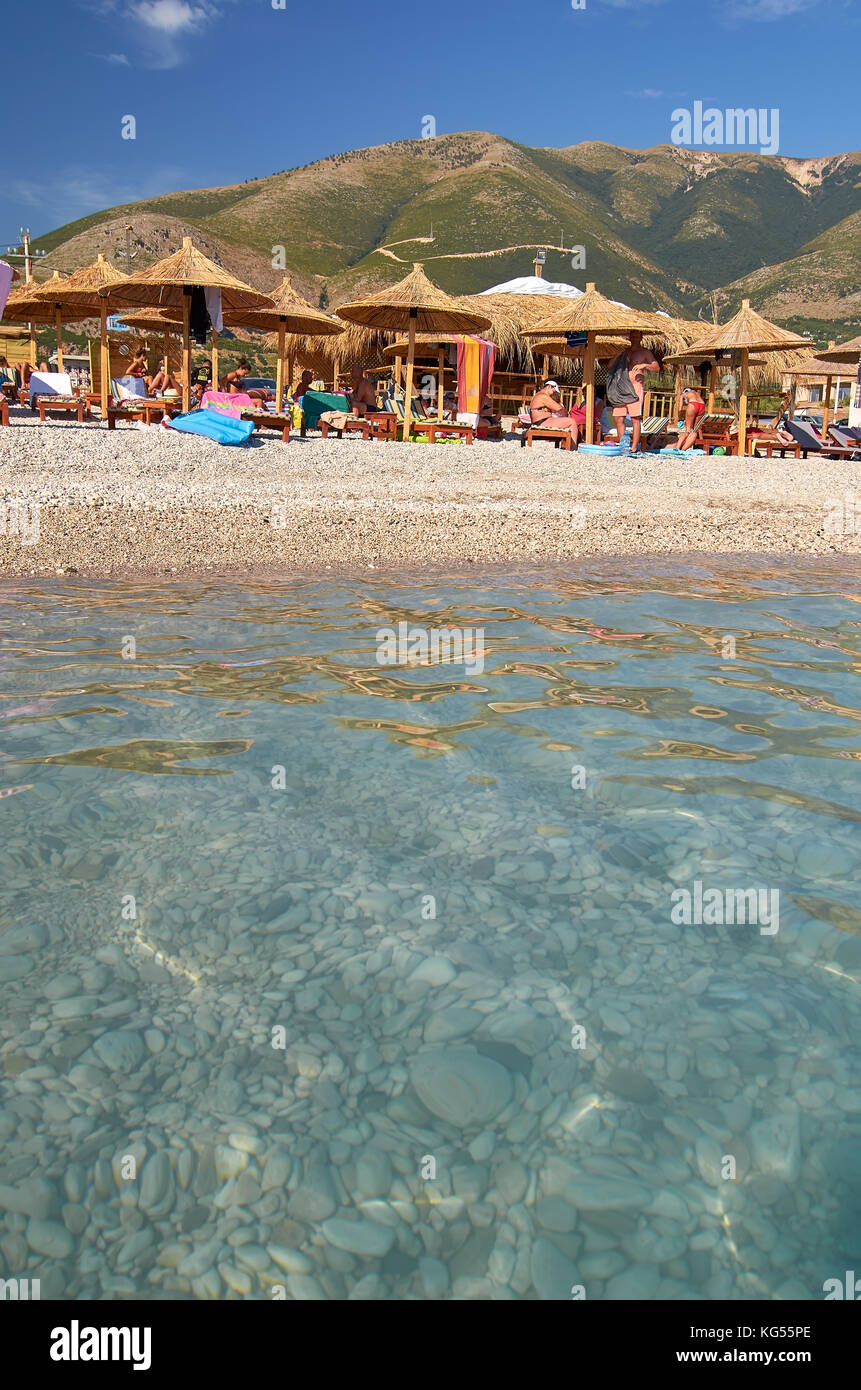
(414, 305)
(27, 305)
(290, 314)
(845, 354)
(747, 332)
(596, 316)
(82, 295)
(169, 283)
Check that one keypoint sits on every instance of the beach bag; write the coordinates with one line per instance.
(620, 388)
(224, 429)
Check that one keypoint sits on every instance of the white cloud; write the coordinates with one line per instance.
(169, 16)
(77, 190)
(115, 58)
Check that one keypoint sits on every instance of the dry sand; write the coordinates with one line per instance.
(134, 501)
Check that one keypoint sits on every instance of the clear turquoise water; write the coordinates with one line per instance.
(427, 907)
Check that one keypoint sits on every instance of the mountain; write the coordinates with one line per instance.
(669, 228)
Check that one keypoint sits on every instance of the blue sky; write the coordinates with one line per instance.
(226, 90)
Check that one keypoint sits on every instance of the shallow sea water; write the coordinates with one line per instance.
(325, 978)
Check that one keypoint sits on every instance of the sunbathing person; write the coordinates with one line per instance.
(233, 382)
(138, 365)
(162, 382)
(363, 396)
(693, 406)
(546, 408)
(304, 385)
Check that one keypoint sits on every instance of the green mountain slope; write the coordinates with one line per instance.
(661, 227)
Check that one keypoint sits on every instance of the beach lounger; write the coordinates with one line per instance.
(812, 442)
(559, 434)
(142, 408)
(845, 438)
(420, 423)
(652, 431)
(717, 432)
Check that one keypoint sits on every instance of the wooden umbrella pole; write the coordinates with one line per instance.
(589, 379)
(279, 373)
(398, 365)
(677, 391)
(336, 373)
(104, 359)
(712, 383)
(59, 323)
(166, 351)
(440, 385)
(215, 359)
(186, 349)
(826, 406)
(290, 369)
(742, 405)
(408, 398)
(32, 330)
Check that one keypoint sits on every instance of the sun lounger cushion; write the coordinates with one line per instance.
(125, 388)
(213, 425)
(50, 384)
(314, 403)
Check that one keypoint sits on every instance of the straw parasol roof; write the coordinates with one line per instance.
(414, 300)
(151, 319)
(748, 330)
(845, 354)
(163, 282)
(559, 347)
(814, 368)
(26, 305)
(592, 312)
(288, 306)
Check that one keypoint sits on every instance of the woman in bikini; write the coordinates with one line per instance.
(694, 406)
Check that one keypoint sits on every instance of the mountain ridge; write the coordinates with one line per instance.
(664, 227)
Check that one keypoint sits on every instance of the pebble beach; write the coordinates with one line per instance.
(150, 502)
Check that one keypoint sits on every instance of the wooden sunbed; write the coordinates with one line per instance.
(142, 409)
(560, 435)
(268, 420)
(715, 431)
(4, 411)
(421, 423)
(61, 405)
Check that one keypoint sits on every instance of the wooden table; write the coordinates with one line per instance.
(268, 420)
(142, 410)
(61, 406)
(561, 436)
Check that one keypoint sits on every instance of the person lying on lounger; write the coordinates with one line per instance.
(546, 408)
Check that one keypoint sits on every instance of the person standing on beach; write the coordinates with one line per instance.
(626, 389)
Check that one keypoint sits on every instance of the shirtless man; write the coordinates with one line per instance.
(640, 361)
(304, 385)
(363, 397)
(546, 408)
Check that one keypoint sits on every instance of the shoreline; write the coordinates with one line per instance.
(147, 504)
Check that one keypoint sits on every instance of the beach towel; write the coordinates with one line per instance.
(213, 425)
(620, 389)
(213, 307)
(227, 404)
(124, 388)
(475, 362)
(49, 384)
(314, 403)
(5, 283)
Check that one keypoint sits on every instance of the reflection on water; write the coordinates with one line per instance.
(380, 996)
